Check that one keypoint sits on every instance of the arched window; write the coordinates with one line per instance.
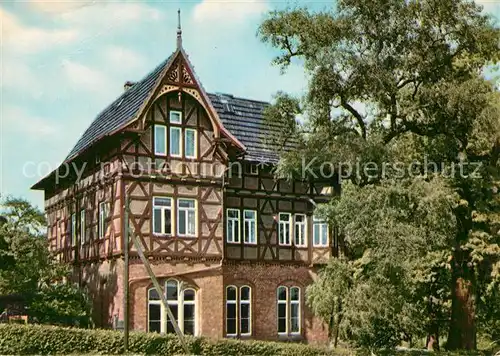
(288, 305)
(182, 304)
(238, 311)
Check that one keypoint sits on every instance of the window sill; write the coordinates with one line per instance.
(290, 337)
(161, 235)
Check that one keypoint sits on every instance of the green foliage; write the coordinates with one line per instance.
(33, 273)
(33, 339)
(400, 82)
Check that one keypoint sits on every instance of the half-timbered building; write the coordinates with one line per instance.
(233, 247)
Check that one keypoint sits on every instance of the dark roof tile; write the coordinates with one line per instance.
(244, 118)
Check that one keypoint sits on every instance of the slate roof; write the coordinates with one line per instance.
(120, 112)
(243, 118)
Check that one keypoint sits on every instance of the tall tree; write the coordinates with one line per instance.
(393, 81)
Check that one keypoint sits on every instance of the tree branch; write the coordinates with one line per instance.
(356, 114)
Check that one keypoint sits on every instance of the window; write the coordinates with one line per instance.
(282, 309)
(295, 310)
(83, 238)
(231, 310)
(245, 310)
(182, 304)
(250, 226)
(154, 311)
(288, 302)
(238, 311)
(175, 117)
(284, 228)
(175, 141)
(73, 229)
(102, 219)
(186, 217)
(160, 137)
(320, 233)
(300, 230)
(233, 225)
(162, 216)
(252, 169)
(234, 170)
(190, 143)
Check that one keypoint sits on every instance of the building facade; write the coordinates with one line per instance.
(233, 247)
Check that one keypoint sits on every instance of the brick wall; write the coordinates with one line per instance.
(210, 280)
(264, 280)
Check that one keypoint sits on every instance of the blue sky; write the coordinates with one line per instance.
(63, 61)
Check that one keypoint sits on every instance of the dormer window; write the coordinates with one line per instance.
(175, 117)
(252, 169)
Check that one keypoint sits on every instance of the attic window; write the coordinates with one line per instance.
(175, 117)
(252, 169)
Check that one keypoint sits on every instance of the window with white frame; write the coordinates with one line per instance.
(288, 305)
(181, 302)
(234, 170)
(162, 216)
(175, 117)
(186, 217)
(233, 225)
(160, 137)
(190, 143)
(238, 311)
(250, 226)
(73, 229)
(103, 214)
(320, 232)
(284, 228)
(300, 230)
(83, 238)
(252, 169)
(175, 141)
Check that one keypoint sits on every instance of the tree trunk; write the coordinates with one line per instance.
(336, 331)
(462, 332)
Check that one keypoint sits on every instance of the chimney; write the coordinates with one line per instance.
(128, 84)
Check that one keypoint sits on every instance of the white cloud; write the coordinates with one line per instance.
(57, 7)
(123, 58)
(228, 11)
(109, 15)
(81, 77)
(20, 38)
(16, 120)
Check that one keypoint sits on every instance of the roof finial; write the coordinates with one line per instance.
(179, 31)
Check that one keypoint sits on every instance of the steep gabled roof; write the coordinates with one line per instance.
(242, 120)
(121, 111)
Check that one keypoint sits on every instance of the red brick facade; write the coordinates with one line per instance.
(210, 281)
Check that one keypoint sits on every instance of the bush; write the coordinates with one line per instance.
(38, 339)
(42, 340)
